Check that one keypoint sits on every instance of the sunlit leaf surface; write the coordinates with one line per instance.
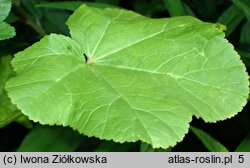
(126, 77)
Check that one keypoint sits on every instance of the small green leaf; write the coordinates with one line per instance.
(5, 6)
(12, 18)
(212, 144)
(126, 77)
(175, 7)
(231, 17)
(244, 145)
(8, 111)
(6, 31)
(51, 139)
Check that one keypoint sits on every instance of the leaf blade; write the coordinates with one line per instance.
(244, 146)
(231, 17)
(5, 6)
(175, 7)
(211, 144)
(147, 93)
(6, 31)
(244, 7)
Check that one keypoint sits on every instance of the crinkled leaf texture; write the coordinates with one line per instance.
(6, 31)
(143, 78)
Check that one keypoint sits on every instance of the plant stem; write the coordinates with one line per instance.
(36, 25)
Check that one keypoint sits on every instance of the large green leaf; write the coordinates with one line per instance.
(8, 111)
(142, 79)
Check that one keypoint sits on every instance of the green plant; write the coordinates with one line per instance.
(6, 31)
(125, 77)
